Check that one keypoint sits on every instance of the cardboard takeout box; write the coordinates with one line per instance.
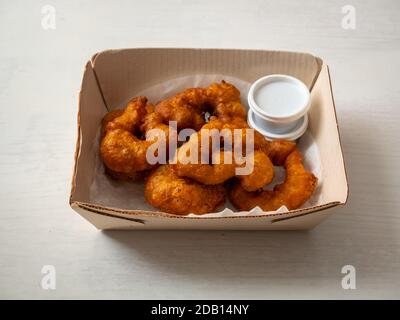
(113, 77)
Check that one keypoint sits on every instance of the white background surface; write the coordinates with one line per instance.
(40, 75)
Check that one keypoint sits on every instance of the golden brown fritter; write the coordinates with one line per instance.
(225, 101)
(187, 108)
(211, 172)
(130, 117)
(297, 188)
(166, 191)
(110, 116)
(124, 153)
(262, 171)
(257, 139)
(278, 151)
(262, 174)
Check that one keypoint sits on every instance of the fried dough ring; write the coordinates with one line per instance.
(219, 171)
(258, 140)
(278, 151)
(225, 101)
(297, 188)
(166, 191)
(123, 153)
(110, 116)
(188, 107)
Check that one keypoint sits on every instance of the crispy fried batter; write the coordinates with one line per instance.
(187, 108)
(262, 174)
(278, 151)
(297, 188)
(257, 139)
(109, 117)
(130, 117)
(216, 172)
(225, 101)
(170, 193)
(123, 153)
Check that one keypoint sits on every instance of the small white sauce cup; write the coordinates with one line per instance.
(299, 128)
(278, 106)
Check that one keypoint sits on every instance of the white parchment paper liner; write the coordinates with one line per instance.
(130, 195)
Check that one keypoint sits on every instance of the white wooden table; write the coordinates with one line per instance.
(40, 75)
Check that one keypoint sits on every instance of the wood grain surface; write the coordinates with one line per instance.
(40, 75)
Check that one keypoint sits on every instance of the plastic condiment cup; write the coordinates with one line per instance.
(278, 106)
(299, 128)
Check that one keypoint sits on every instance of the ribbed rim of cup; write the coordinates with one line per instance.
(279, 119)
(292, 135)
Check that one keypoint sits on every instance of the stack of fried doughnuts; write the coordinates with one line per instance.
(181, 187)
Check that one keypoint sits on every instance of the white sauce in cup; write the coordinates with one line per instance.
(280, 98)
(278, 103)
